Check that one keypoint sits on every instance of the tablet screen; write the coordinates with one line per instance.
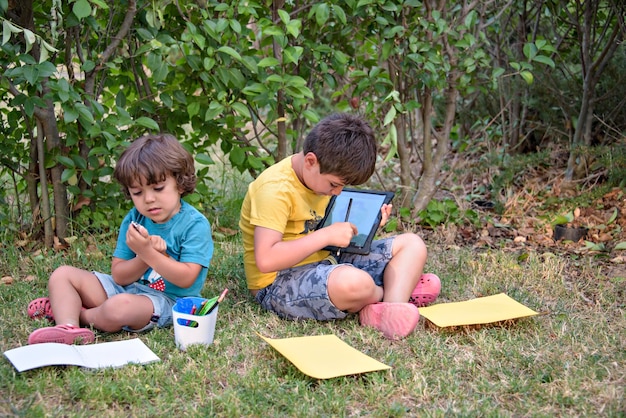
(362, 208)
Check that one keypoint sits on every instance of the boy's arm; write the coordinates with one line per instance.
(125, 272)
(273, 254)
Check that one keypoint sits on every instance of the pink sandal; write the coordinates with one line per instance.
(394, 320)
(64, 334)
(40, 308)
(426, 290)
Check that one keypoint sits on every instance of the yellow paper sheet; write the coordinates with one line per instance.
(484, 310)
(324, 356)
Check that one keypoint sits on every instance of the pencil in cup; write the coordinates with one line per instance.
(203, 310)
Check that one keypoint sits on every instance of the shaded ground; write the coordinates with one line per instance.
(523, 220)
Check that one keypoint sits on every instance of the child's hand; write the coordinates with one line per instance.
(385, 210)
(341, 233)
(139, 228)
(158, 243)
(137, 238)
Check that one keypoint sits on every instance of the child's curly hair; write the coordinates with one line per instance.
(152, 158)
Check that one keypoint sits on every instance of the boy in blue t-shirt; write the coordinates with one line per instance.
(163, 253)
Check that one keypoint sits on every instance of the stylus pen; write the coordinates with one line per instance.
(348, 211)
(346, 220)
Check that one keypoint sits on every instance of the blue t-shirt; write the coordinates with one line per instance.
(188, 239)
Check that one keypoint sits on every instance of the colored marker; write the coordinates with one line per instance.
(221, 298)
(206, 304)
(192, 323)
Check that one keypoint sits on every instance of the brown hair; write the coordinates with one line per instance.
(345, 146)
(153, 158)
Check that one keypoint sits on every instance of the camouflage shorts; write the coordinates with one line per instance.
(302, 292)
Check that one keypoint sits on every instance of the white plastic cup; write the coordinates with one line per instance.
(193, 329)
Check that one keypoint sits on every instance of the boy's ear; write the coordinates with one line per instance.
(310, 160)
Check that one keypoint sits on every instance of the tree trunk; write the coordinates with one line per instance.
(47, 119)
(46, 213)
(404, 153)
(281, 150)
(592, 67)
(434, 160)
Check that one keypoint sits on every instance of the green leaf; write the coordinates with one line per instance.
(237, 156)
(391, 139)
(65, 161)
(560, 220)
(275, 78)
(254, 89)
(6, 25)
(7, 29)
(88, 176)
(241, 108)
(321, 14)
(147, 123)
(592, 246)
(193, 109)
(88, 66)
(166, 99)
(70, 115)
(292, 54)
(43, 55)
(235, 25)
(81, 9)
(230, 51)
(284, 16)
(214, 110)
(204, 159)
(48, 47)
(67, 176)
(530, 51)
(620, 246)
(339, 12)
(85, 113)
(527, 76)
(613, 216)
(390, 116)
(256, 162)
(30, 39)
(470, 18)
(294, 27)
(497, 72)
(544, 60)
(268, 62)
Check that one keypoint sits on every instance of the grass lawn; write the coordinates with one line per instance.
(568, 361)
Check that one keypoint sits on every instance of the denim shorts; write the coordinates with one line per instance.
(162, 315)
(302, 292)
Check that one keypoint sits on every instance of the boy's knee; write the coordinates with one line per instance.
(411, 243)
(353, 281)
(116, 307)
(61, 273)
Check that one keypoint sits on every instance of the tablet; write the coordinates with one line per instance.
(360, 207)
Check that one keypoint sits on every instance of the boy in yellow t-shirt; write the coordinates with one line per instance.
(286, 269)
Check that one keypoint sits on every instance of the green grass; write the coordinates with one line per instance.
(569, 361)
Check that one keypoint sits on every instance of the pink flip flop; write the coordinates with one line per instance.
(426, 290)
(64, 334)
(40, 308)
(394, 320)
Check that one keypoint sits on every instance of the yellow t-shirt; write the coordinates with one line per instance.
(278, 200)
